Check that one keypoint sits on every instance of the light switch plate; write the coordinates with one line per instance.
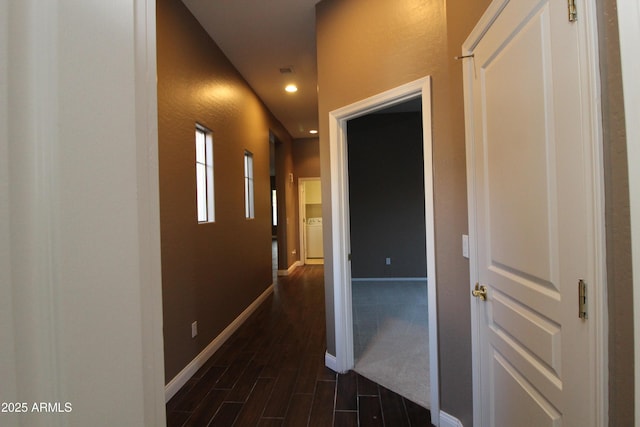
(465, 246)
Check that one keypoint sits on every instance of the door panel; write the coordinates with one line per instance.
(518, 155)
(532, 231)
(534, 411)
(540, 337)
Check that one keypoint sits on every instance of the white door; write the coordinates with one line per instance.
(533, 208)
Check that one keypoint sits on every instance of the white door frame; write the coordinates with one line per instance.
(340, 233)
(593, 130)
(301, 217)
(629, 25)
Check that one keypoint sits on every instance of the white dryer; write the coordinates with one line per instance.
(314, 238)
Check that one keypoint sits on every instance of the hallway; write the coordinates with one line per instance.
(271, 373)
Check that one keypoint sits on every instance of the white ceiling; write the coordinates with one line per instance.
(261, 36)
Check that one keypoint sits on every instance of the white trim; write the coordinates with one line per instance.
(587, 27)
(183, 376)
(290, 269)
(447, 420)
(149, 212)
(388, 279)
(340, 233)
(629, 26)
(593, 145)
(330, 362)
(301, 234)
(486, 20)
(468, 71)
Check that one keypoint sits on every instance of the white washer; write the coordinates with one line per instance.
(314, 238)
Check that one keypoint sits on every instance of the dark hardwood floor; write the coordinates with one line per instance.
(271, 373)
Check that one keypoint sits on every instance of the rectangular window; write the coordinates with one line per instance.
(249, 210)
(274, 208)
(204, 174)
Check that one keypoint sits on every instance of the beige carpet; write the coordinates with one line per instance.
(391, 337)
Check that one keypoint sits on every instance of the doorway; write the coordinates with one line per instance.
(388, 249)
(310, 199)
(280, 181)
(340, 227)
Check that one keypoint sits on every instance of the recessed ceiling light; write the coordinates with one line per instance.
(291, 88)
(313, 131)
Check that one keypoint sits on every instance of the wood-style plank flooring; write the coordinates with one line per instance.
(271, 373)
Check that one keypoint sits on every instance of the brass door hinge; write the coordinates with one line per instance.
(582, 299)
(573, 12)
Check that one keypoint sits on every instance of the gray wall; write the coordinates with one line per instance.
(365, 47)
(386, 195)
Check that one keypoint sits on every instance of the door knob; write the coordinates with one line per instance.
(480, 291)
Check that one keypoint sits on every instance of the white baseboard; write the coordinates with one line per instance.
(330, 362)
(388, 279)
(290, 269)
(447, 420)
(183, 376)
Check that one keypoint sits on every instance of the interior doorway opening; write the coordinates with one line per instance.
(388, 249)
(310, 209)
(340, 232)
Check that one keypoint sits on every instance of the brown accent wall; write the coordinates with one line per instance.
(210, 272)
(366, 47)
(306, 158)
(618, 224)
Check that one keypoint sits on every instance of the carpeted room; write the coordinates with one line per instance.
(388, 265)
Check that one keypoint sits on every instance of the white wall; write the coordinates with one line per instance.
(7, 355)
(78, 190)
(629, 25)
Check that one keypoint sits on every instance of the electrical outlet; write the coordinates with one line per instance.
(194, 329)
(388, 261)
